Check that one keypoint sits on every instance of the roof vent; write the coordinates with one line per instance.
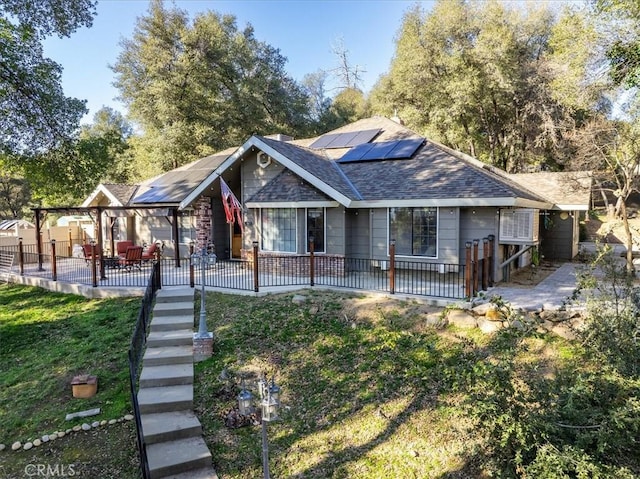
(396, 118)
(263, 159)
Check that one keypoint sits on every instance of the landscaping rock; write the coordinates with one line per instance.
(16, 445)
(95, 424)
(436, 320)
(53, 437)
(564, 331)
(488, 327)
(27, 446)
(299, 299)
(86, 427)
(77, 428)
(2, 447)
(112, 421)
(461, 319)
(87, 413)
(37, 442)
(68, 431)
(128, 417)
(313, 310)
(45, 438)
(103, 422)
(481, 309)
(61, 434)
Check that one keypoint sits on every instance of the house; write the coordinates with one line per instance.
(350, 193)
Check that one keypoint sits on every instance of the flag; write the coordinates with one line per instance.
(232, 207)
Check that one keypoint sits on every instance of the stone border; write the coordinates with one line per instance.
(17, 446)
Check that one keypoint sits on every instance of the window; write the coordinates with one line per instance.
(279, 229)
(315, 228)
(415, 231)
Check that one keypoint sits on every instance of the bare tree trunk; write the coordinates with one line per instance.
(629, 239)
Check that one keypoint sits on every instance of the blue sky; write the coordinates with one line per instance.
(303, 30)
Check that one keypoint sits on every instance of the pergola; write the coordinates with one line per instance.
(112, 212)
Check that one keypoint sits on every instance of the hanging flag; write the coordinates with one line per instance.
(232, 207)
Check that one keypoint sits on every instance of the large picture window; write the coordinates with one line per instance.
(315, 228)
(415, 231)
(279, 229)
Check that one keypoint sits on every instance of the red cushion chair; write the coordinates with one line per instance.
(121, 247)
(132, 257)
(150, 252)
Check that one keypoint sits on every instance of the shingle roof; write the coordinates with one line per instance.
(123, 193)
(564, 189)
(288, 187)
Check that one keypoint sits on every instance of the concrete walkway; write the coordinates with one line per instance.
(550, 294)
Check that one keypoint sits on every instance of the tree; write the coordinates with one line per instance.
(484, 79)
(34, 113)
(196, 88)
(15, 194)
(624, 53)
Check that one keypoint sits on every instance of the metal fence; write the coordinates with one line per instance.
(136, 352)
(264, 270)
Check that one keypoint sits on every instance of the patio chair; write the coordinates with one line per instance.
(121, 247)
(87, 252)
(150, 252)
(132, 257)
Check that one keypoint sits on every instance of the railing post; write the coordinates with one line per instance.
(311, 260)
(70, 248)
(256, 276)
(158, 271)
(192, 277)
(392, 266)
(485, 264)
(491, 259)
(39, 250)
(475, 266)
(467, 269)
(94, 264)
(54, 265)
(21, 256)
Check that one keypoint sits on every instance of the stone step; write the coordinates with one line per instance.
(171, 295)
(175, 337)
(206, 473)
(176, 457)
(165, 399)
(167, 355)
(173, 309)
(170, 426)
(168, 375)
(171, 323)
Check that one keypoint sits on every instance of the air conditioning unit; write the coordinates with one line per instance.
(263, 159)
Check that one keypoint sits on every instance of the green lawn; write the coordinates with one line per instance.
(369, 391)
(48, 338)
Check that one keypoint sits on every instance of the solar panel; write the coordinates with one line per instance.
(383, 150)
(344, 140)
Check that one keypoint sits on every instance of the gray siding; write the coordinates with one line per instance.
(477, 224)
(254, 178)
(358, 233)
(379, 233)
(336, 233)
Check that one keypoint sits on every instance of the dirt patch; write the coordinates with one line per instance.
(531, 275)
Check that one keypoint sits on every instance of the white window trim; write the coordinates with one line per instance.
(295, 220)
(324, 230)
(437, 208)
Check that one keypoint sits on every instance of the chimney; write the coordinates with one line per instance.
(396, 118)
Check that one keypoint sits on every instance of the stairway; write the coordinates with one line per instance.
(172, 433)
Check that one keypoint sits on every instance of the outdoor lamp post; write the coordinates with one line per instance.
(203, 340)
(269, 405)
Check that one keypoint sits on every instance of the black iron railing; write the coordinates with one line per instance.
(136, 352)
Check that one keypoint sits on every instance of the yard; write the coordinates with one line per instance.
(369, 390)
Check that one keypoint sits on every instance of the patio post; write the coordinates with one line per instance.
(100, 243)
(21, 256)
(311, 260)
(491, 259)
(392, 266)
(192, 278)
(256, 286)
(467, 269)
(485, 264)
(38, 239)
(54, 266)
(94, 275)
(70, 248)
(158, 270)
(476, 268)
